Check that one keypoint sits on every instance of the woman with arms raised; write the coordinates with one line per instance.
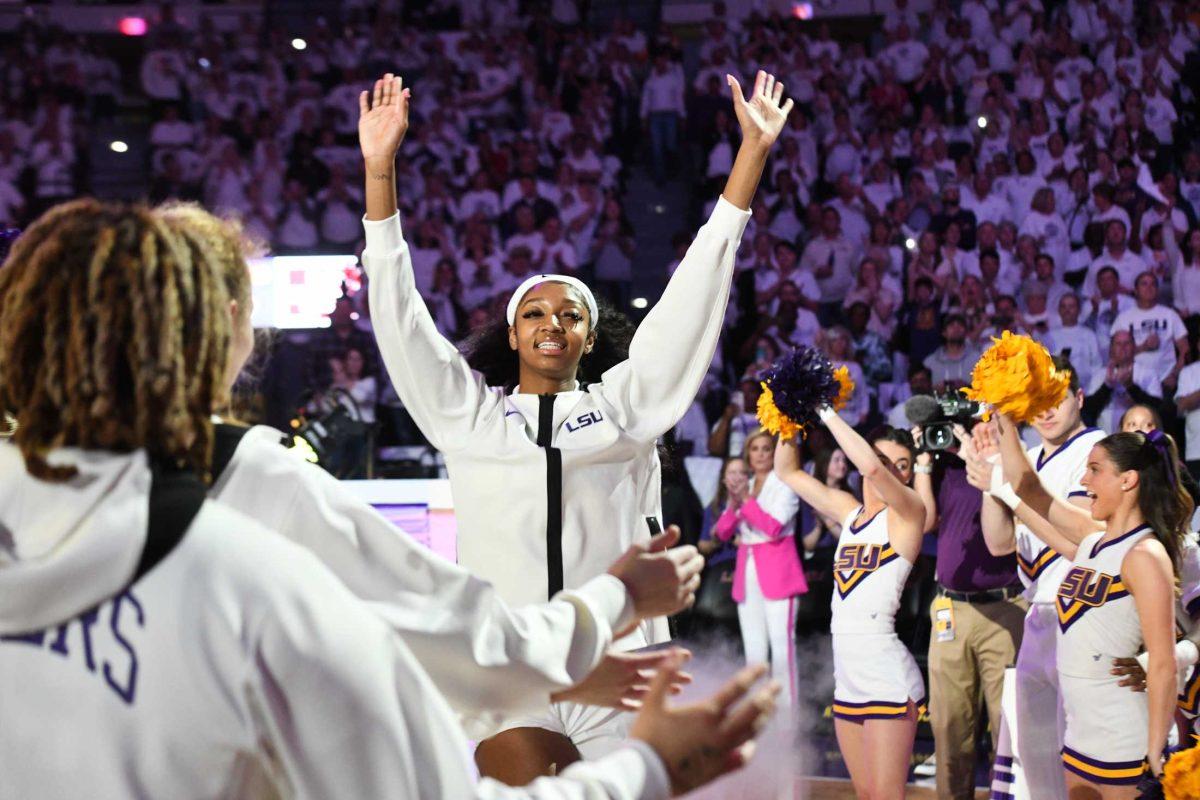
(1117, 595)
(486, 658)
(878, 689)
(157, 644)
(553, 477)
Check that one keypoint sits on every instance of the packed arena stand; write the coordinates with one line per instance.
(947, 175)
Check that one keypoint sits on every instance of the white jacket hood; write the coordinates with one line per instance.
(64, 547)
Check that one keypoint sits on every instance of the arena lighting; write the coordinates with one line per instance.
(118, 146)
(640, 302)
(982, 121)
(204, 63)
(299, 44)
(910, 243)
(132, 26)
(802, 10)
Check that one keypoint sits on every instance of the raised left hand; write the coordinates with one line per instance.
(621, 680)
(762, 117)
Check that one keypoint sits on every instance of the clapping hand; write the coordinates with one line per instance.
(762, 117)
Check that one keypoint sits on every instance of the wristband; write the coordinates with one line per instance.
(1003, 491)
(1186, 655)
(922, 469)
(824, 413)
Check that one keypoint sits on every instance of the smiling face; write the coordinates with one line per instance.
(897, 458)
(1105, 484)
(552, 331)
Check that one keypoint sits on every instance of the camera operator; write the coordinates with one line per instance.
(977, 616)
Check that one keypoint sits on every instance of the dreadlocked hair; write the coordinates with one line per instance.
(114, 335)
(230, 246)
(488, 353)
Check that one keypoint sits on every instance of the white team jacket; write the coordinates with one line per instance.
(238, 660)
(485, 658)
(549, 491)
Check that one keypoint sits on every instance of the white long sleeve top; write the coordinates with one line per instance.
(238, 663)
(485, 658)
(540, 512)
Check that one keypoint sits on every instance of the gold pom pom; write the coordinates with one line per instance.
(1016, 376)
(1181, 775)
(845, 387)
(774, 420)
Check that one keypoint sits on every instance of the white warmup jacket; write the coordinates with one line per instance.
(237, 661)
(484, 657)
(550, 490)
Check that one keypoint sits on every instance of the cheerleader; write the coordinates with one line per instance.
(878, 688)
(484, 657)
(1117, 594)
(157, 644)
(550, 445)
(768, 576)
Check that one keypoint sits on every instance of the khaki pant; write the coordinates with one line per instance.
(965, 674)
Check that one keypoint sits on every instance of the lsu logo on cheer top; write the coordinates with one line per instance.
(1083, 589)
(855, 562)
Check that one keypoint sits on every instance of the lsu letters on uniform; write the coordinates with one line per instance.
(550, 490)
(1027, 760)
(875, 675)
(1105, 737)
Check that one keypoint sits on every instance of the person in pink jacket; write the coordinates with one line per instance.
(761, 519)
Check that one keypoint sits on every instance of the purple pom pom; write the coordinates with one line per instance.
(801, 382)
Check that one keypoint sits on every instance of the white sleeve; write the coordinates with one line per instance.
(447, 399)
(674, 345)
(484, 656)
(348, 712)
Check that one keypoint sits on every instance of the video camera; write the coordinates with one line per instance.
(936, 416)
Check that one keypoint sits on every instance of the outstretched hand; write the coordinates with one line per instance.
(383, 118)
(762, 116)
(702, 741)
(622, 680)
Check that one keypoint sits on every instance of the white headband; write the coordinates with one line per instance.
(529, 283)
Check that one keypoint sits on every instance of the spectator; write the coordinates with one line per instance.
(829, 258)
(1074, 341)
(1123, 383)
(1160, 340)
(662, 109)
(950, 364)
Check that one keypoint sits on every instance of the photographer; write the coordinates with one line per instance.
(977, 617)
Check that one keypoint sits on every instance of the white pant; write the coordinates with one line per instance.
(1008, 779)
(1040, 721)
(772, 621)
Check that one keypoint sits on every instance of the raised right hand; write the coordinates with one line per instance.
(383, 121)
(700, 742)
(661, 579)
(762, 117)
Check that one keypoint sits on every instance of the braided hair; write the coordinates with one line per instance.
(114, 335)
